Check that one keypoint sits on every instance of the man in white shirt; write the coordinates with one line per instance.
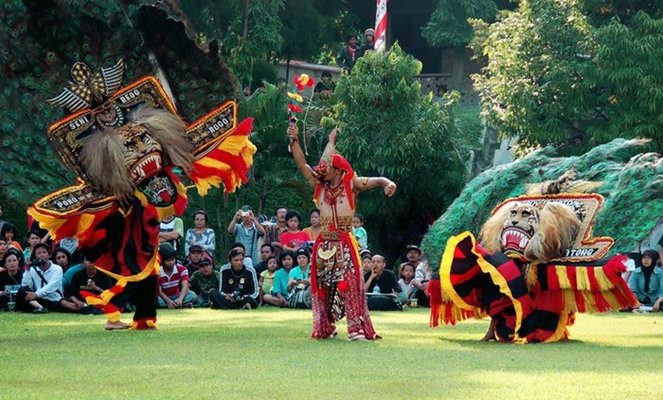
(41, 289)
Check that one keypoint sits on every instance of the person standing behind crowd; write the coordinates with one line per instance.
(326, 85)
(248, 232)
(646, 282)
(294, 239)
(204, 282)
(347, 57)
(2, 222)
(171, 230)
(201, 234)
(273, 231)
(358, 230)
(279, 294)
(369, 36)
(239, 285)
(314, 230)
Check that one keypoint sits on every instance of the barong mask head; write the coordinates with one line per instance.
(120, 143)
(527, 232)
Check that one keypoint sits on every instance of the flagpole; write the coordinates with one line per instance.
(381, 25)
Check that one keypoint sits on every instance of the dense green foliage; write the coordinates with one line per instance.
(268, 353)
(584, 71)
(448, 25)
(632, 189)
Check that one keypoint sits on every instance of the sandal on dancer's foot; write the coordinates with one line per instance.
(112, 326)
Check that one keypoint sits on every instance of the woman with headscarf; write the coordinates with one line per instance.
(646, 282)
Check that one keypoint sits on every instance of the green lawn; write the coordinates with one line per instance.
(268, 354)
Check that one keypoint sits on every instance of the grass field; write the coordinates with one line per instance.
(267, 354)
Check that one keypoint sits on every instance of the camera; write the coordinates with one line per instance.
(244, 213)
(237, 295)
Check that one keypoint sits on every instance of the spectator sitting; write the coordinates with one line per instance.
(279, 295)
(10, 278)
(196, 254)
(239, 285)
(41, 289)
(248, 232)
(314, 230)
(381, 287)
(406, 274)
(299, 282)
(266, 280)
(359, 231)
(205, 282)
(294, 239)
(646, 282)
(91, 280)
(266, 252)
(173, 281)
(326, 85)
(200, 234)
(422, 274)
(366, 261)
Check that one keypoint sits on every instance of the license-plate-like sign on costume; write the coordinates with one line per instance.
(125, 144)
(533, 268)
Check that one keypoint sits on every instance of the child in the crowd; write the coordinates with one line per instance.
(406, 276)
(359, 231)
(267, 278)
(294, 239)
(279, 294)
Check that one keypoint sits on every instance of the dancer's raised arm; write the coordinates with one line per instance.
(298, 155)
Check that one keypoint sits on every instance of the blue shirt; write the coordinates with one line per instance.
(281, 282)
(249, 238)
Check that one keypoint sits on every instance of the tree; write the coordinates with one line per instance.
(578, 72)
(448, 26)
(390, 128)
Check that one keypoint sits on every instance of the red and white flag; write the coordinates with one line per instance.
(381, 25)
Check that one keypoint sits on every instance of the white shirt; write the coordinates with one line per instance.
(49, 290)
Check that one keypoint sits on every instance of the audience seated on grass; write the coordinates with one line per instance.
(41, 287)
(239, 285)
(382, 288)
(266, 251)
(299, 282)
(646, 282)
(266, 280)
(91, 280)
(205, 282)
(279, 296)
(196, 253)
(10, 278)
(406, 275)
(173, 287)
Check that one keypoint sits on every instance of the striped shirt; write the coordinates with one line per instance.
(172, 284)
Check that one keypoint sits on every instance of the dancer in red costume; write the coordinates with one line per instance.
(125, 145)
(337, 284)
